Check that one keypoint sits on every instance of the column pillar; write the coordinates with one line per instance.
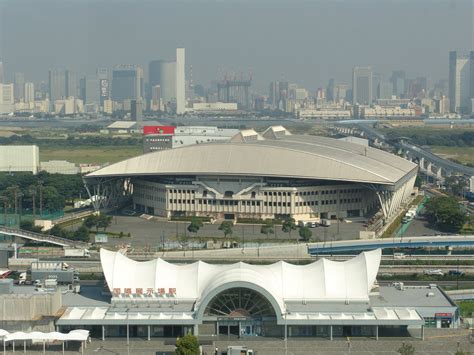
(196, 330)
(103, 333)
(376, 332)
(149, 332)
(422, 332)
(128, 334)
(330, 332)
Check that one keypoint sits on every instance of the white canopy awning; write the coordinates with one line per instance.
(73, 335)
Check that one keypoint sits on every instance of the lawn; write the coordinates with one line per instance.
(99, 155)
(466, 308)
(465, 155)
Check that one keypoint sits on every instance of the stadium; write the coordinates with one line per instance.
(258, 176)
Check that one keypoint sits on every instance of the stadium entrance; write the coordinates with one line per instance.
(240, 312)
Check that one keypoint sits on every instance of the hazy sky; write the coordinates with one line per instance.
(307, 42)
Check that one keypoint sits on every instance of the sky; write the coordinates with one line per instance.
(303, 42)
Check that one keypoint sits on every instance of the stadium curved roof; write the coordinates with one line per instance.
(321, 280)
(293, 156)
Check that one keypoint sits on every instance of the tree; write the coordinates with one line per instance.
(104, 221)
(195, 225)
(288, 226)
(187, 345)
(29, 226)
(91, 221)
(226, 227)
(183, 240)
(82, 234)
(267, 228)
(445, 212)
(406, 349)
(305, 233)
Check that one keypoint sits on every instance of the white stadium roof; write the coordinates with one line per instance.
(289, 156)
(323, 280)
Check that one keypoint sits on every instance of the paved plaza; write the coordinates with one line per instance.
(437, 341)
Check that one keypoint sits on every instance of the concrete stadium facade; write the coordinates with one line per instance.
(272, 175)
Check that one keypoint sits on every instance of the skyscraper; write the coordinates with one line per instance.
(385, 90)
(29, 92)
(362, 85)
(459, 82)
(127, 82)
(180, 81)
(472, 80)
(104, 84)
(71, 84)
(91, 93)
(398, 82)
(57, 84)
(19, 86)
(163, 73)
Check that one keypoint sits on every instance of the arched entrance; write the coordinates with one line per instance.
(239, 311)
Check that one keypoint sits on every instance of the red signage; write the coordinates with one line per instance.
(443, 315)
(158, 130)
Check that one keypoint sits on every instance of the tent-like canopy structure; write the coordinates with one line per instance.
(323, 280)
(74, 335)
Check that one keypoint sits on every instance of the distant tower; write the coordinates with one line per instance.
(19, 88)
(459, 82)
(1, 72)
(180, 81)
(362, 85)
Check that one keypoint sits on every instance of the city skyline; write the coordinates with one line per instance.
(217, 43)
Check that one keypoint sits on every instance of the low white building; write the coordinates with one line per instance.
(214, 106)
(59, 167)
(324, 113)
(386, 111)
(18, 158)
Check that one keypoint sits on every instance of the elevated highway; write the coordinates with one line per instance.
(370, 244)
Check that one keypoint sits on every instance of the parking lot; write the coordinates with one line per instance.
(149, 232)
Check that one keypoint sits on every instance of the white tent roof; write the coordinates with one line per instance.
(322, 280)
(73, 335)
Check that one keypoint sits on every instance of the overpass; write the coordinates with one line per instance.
(428, 162)
(315, 249)
(42, 238)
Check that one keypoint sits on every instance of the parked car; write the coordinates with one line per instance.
(455, 273)
(434, 272)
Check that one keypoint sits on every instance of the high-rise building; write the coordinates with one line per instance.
(91, 93)
(330, 90)
(398, 82)
(472, 79)
(127, 82)
(155, 98)
(29, 92)
(104, 84)
(7, 98)
(459, 82)
(376, 80)
(57, 84)
(71, 84)
(1, 72)
(180, 81)
(385, 90)
(19, 82)
(136, 110)
(362, 85)
(340, 92)
(163, 73)
(278, 94)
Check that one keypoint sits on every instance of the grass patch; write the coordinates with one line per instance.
(89, 155)
(464, 155)
(466, 308)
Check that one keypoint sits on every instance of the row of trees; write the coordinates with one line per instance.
(41, 192)
(72, 141)
(267, 228)
(446, 213)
